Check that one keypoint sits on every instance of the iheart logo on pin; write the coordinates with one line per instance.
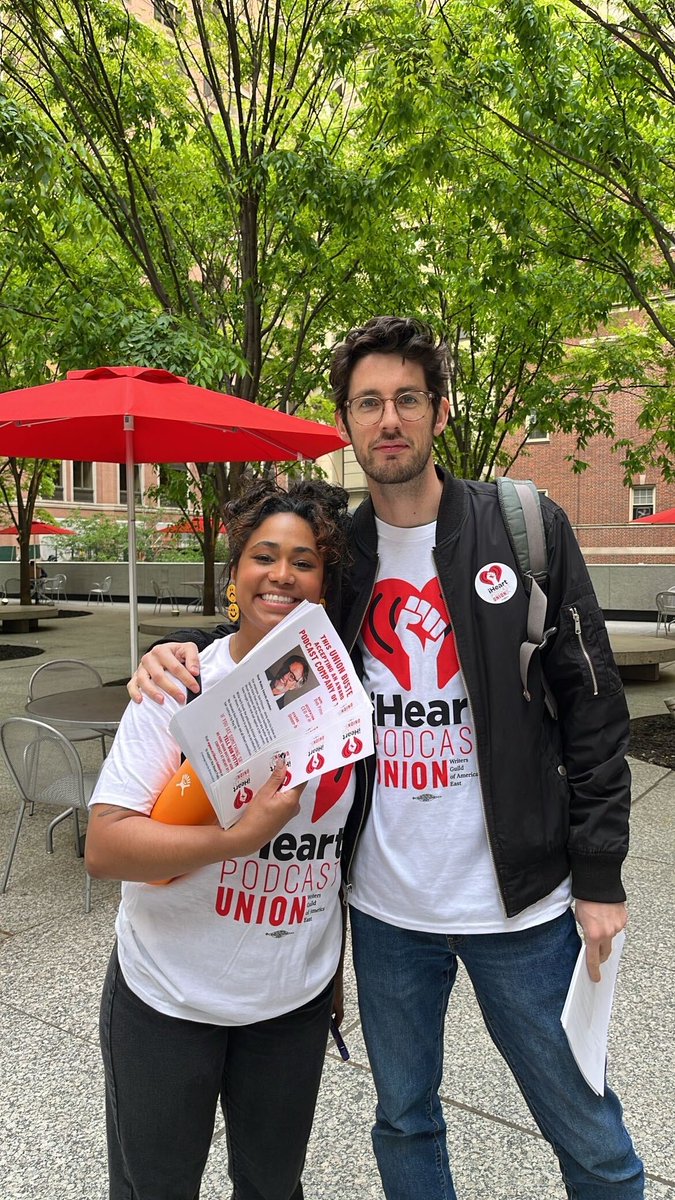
(491, 575)
(496, 583)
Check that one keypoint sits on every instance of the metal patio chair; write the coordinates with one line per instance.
(67, 675)
(46, 769)
(665, 610)
(53, 587)
(163, 594)
(101, 591)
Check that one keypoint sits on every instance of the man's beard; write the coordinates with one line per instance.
(395, 471)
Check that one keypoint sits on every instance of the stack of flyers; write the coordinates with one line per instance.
(295, 694)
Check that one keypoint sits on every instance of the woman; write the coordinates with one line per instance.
(221, 984)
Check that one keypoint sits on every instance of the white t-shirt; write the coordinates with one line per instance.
(242, 940)
(423, 861)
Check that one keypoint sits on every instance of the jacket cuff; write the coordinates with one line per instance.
(597, 877)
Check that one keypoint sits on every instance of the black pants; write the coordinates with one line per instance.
(164, 1077)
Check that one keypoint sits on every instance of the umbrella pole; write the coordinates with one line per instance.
(131, 519)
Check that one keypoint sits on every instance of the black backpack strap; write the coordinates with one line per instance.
(520, 506)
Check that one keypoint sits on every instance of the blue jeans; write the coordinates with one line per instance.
(520, 979)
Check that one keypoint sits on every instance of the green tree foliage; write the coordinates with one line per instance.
(194, 492)
(584, 95)
(219, 146)
(259, 178)
(101, 538)
(58, 267)
(479, 254)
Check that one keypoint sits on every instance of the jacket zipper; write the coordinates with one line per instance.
(579, 636)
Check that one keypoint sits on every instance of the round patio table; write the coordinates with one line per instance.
(97, 707)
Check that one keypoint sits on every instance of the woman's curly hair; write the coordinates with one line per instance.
(322, 505)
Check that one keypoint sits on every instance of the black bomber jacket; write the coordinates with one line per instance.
(556, 791)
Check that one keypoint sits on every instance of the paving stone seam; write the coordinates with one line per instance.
(19, 1010)
(657, 783)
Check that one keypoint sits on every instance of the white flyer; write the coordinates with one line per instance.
(586, 1013)
(296, 693)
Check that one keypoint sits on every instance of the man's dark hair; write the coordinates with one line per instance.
(404, 336)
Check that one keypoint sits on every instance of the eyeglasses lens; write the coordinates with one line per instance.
(410, 406)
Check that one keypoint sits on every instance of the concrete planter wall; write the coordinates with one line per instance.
(621, 589)
(81, 575)
(631, 587)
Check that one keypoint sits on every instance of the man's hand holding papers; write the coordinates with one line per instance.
(585, 1016)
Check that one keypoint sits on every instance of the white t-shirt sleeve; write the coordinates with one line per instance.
(142, 759)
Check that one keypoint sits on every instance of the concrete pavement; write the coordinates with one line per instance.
(53, 958)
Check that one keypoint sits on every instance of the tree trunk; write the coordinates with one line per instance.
(212, 521)
(209, 595)
(24, 566)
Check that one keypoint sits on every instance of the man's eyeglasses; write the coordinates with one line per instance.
(410, 405)
(291, 680)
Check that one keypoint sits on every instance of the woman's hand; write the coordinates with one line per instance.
(124, 844)
(161, 668)
(266, 814)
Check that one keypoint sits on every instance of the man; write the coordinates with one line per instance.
(37, 574)
(485, 813)
(290, 675)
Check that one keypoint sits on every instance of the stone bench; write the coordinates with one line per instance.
(158, 626)
(640, 657)
(23, 618)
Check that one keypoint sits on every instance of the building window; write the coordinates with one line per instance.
(138, 484)
(83, 482)
(165, 12)
(534, 432)
(642, 502)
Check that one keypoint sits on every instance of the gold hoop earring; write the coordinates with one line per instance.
(322, 601)
(233, 607)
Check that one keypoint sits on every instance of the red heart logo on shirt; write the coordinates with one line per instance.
(332, 788)
(379, 629)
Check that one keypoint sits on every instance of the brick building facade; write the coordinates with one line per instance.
(598, 503)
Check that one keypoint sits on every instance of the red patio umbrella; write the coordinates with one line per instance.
(665, 517)
(37, 528)
(137, 414)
